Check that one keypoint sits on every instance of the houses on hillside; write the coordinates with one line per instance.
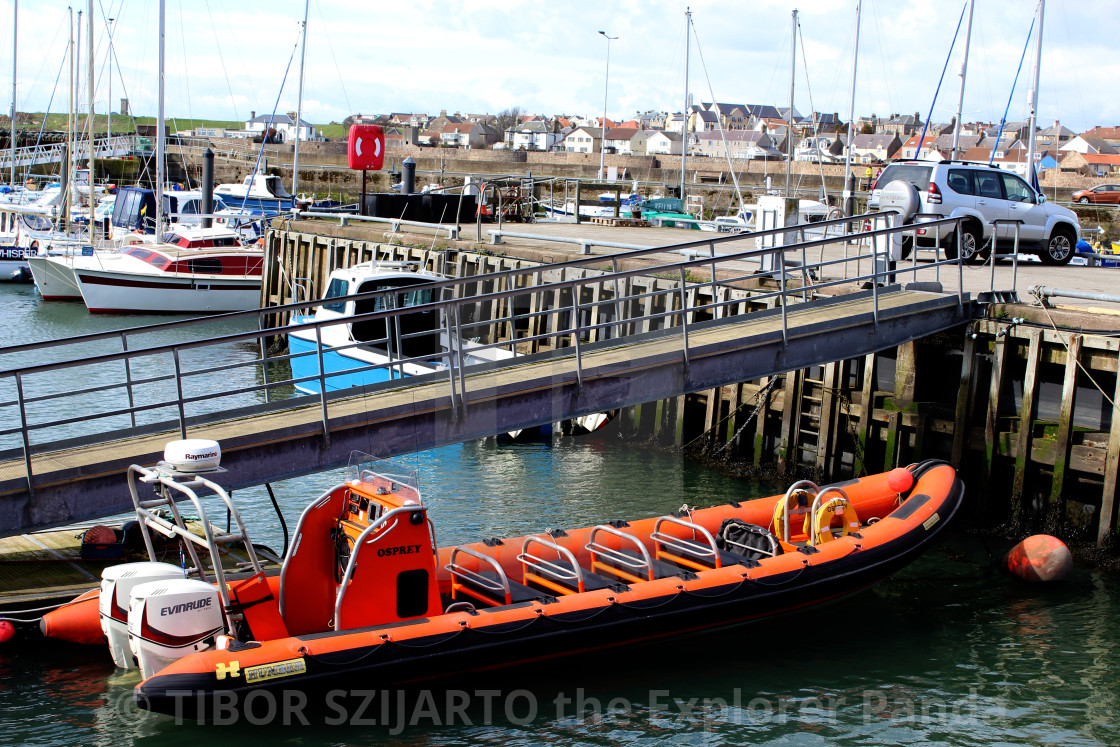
(730, 130)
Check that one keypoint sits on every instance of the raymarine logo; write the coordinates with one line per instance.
(206, 455)
(175, 609)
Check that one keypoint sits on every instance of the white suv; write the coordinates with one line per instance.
(926, 190)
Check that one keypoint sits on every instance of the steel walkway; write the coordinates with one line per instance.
(596, 356)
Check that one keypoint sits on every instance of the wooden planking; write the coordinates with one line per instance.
(1065, 424)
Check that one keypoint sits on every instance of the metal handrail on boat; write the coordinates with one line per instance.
(798, 487)
(617, 556)
(549, 568)
(476, 577)
(817, 503)
(170, 480)
(681, 544)
(363, 538)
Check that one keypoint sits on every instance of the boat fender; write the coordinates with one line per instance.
(900, 479)
(1040, 558)
(7, 631)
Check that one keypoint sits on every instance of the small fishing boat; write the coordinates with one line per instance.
(259, 192)
(365, 595)
(359, 351)
(192, 271)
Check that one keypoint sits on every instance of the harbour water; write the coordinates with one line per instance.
(947, 652)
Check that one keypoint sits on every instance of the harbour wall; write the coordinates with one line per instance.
(1019, 399)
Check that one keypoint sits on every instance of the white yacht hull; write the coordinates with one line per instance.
(54, 279)
(118, 292)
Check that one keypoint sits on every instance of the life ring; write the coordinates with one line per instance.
(822, 519)
(802, 495)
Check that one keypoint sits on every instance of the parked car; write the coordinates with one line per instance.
(980, 194)
(1107, 194)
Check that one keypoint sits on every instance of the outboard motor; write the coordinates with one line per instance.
(117, 583)
(168, 620)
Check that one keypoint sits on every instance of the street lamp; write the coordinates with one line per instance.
(606, 78)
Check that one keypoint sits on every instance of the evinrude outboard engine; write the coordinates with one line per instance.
(168, 620)
(117, 583)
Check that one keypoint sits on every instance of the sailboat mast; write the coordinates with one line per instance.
(1032, 98)
(15, 20)
(851, 118)
(69, 175)
(684, 113)
(789, 125)
(90, 119)
(161, 140)
(964, 72)
(299, 104)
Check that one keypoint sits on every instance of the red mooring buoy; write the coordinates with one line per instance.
(1040, 559)
(900, 479)
(7, 631)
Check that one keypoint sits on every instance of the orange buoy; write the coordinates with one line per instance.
(1040, 558)
(78, 621)
(900, 479)
(7, 631)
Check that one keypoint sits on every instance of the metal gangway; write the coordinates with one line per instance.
(35, 155)
(592, 334)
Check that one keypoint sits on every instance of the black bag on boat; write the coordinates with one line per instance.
(748, 540)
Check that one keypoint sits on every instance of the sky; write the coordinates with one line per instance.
(225, 59)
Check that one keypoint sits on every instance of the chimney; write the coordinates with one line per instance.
(252, 115)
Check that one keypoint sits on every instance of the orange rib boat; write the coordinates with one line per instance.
(366, 596)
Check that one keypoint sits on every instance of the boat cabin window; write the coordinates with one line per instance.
(139, 253)
(337, 289)
(415, 334)
(205, 265)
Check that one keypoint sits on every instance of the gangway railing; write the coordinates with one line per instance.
(192, 383)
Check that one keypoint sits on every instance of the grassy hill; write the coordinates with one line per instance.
(55, 121)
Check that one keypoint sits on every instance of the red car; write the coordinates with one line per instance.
(1108, 194)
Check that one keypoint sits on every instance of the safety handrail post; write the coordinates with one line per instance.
(577, 328)
(322, 384)
(128, 378)
(684, 316)
(24, 435)
(179, 391)
(264, 358)
(782, 296)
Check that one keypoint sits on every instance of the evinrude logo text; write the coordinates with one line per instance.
(186, 606)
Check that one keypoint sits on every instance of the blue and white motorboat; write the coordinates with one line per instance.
(358, 352)
(259, 193)
(416, 345)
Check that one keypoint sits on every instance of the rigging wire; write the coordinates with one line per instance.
(330, 46)
(816, 122)
(271, 120)
(1002, 122)
(925, 127)
(222, 60)
(882, 58)
(719, 118)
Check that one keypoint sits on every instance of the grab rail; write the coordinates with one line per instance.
(164, 476)
(817, 503)
(486, 583)
(796, 487)
(617, 556)
(558, 572)
(680, 544)
(353, 562)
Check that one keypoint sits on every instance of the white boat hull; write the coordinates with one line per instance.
(54, 279)
(112, 292)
